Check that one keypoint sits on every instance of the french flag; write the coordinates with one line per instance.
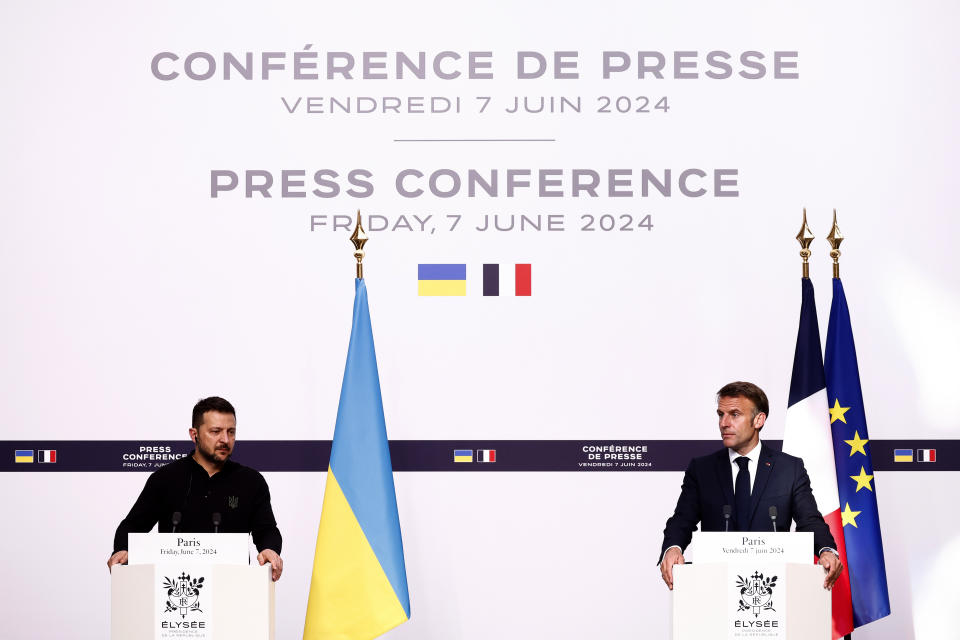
(807, 434)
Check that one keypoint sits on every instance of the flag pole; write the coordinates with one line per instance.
(805, 238)
(359, 238)
(835, 238)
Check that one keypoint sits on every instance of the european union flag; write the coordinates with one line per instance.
(855, 479)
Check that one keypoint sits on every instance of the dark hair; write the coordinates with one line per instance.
(213, 403)
(747, 390)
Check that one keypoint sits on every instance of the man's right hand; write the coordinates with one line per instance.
(672, 556)
(120, 557)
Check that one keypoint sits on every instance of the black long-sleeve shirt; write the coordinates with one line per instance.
(238, 493)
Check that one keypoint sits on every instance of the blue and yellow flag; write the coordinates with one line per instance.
(359, 585)
(855, 480)
(441, 279)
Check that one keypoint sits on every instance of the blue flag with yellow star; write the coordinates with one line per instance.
(855, 481)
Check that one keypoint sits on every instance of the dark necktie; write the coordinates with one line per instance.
(741, 494)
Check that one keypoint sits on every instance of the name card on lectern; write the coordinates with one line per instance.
(180, 548)
(727, 546)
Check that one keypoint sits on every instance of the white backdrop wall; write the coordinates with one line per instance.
(129, 291)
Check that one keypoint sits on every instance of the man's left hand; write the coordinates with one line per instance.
(832, 567)
(271, 556)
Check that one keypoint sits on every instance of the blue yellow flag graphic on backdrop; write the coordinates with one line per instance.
(855, 479)
(442, 279)
(359, 586)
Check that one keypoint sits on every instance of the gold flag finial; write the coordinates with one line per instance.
(359, 238)
(835, 238)
(805, 237)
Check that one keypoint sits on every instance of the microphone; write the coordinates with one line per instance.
(726, 517)
(216, 522)
(176, 514)
(773, 517)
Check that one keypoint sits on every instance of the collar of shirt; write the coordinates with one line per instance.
(196, 468)
(754, 457)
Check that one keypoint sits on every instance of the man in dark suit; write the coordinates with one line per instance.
(747, 478)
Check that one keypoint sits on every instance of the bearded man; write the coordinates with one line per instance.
(206, 492)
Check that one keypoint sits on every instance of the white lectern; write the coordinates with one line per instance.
(191, 587)
(750, 585)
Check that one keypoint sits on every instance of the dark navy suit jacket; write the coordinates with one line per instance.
(781, 481)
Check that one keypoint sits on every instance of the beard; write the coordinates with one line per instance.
(214, 456)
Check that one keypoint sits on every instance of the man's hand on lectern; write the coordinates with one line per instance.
(831, 566)
(271, 556)
(120, 557)
(672, 556)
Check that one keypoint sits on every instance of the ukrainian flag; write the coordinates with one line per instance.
(903, 455)
(359, 585)
(442, 280)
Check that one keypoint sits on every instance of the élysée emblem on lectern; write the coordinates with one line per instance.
(756, 593)
(183, 594)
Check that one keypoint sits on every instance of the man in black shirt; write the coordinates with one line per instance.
(206, 486)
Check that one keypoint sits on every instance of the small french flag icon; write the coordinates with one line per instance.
(47, 455)
(486, 455)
